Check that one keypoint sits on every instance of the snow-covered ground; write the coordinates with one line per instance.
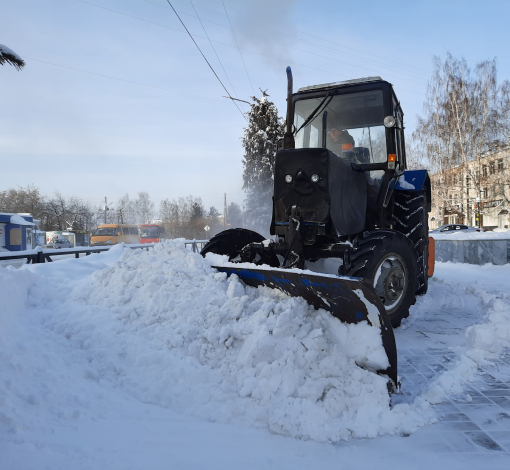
(152, 360)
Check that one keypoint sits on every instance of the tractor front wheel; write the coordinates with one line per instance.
(388, 259)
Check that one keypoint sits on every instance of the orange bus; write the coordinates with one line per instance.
(151, 233)
(111, 234)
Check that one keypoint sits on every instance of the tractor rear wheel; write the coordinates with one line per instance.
(231, 242)
(388, 259)
(411, 219)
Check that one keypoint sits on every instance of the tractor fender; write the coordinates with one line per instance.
(415, 180)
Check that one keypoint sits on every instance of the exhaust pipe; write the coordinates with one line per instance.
(288, 140)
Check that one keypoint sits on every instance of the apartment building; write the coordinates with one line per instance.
(476, 193)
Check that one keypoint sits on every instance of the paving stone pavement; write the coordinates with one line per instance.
(479, 419)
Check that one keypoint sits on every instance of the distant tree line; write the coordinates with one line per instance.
(55, 213)
(184, 217)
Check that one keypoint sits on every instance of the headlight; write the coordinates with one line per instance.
(315, 178)
(108, 241)
(389, 122)
(288, 179)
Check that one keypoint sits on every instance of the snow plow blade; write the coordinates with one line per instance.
(350, 299)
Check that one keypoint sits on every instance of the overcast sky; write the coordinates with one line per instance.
(116, 98)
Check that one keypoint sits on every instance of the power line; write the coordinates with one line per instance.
(210, 42)
(210, 66)
(238, 48)
(317, 45)
(123, 80)
(347, 63)
(357, 50)
(184, 13)
(345, 46)
(393, 68)
(246, 50)
(336, 51)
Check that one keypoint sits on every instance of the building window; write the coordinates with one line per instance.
(500, 164)
(484, 170)
(493, 167)
(468, 181)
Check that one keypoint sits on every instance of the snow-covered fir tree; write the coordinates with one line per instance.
(260, 141)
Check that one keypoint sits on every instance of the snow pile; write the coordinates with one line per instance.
(14, 288)
(169, 330)
(470, 235)
(485, 341)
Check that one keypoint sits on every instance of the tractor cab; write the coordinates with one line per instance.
(357, 126)
(359, 120)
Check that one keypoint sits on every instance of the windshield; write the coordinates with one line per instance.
(105, 232)
(349, 125)
(149, 232)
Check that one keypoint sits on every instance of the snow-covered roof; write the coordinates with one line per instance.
(17, 219)
(355, 81)
(12, 218)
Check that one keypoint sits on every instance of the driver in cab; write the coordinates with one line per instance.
(339, 141)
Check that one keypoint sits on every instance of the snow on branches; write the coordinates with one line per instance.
(260, 142)
(10, 57)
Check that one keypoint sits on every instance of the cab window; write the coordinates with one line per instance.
(350, 125)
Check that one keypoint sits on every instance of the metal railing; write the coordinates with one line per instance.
(44, 255)
(195, 245)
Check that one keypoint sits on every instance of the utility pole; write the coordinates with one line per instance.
(225, 212)
(106, 208)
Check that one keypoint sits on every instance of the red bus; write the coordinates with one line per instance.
(151, 233)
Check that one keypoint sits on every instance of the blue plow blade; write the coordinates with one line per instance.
(350, 299)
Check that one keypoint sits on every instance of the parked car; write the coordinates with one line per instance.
(59, 242)
(451, 228)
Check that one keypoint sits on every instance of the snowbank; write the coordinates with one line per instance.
(169, 330)
(465, 235)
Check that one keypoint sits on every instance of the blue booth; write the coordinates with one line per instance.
(16, 232)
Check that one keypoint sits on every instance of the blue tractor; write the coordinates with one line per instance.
(342, 192)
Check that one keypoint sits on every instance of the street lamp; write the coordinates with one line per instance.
(478, 202)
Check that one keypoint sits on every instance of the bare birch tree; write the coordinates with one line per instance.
(465, 117)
